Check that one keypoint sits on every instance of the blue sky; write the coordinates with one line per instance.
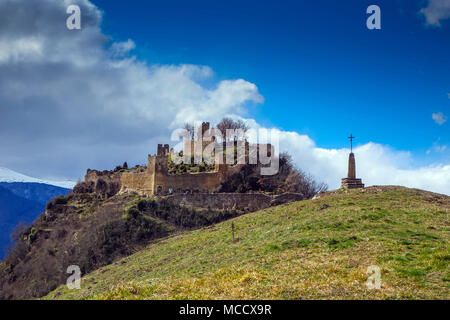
(320, 70)
(136, 70)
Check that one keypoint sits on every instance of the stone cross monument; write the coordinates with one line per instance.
(351, 181)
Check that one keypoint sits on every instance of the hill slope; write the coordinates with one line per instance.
(309, 249)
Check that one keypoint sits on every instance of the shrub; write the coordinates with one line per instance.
(288, 179)
(55, 201)
(142, 204)
(60, 200)
(119, 236)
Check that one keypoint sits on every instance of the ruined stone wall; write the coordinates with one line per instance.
(141, 183)
(106, 183)
(246, 202)
(223, 201)
(157, 181)
(163, 183)
(195, 182)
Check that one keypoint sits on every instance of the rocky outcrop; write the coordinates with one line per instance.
(104, 183)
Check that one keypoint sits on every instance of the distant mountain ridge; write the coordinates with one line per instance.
(22, 202)
(33, 191)
(7, 175)
(15, 209)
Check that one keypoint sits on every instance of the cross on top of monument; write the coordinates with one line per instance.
(351, 142)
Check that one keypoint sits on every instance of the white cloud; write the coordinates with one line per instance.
(121, 49)
(71, 99)
(20, 49)
(376, 164)
(436, 147)
(436, 11)
(439, 118)
(68, 104)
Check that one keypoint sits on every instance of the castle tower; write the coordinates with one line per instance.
(351, 181)
(163, 150)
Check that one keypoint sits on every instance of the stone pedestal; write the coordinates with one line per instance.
(351, 181)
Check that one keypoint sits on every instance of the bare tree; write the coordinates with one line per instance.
(228, 123)
(296, 180)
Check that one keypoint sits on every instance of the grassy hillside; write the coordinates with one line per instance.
(314, 249)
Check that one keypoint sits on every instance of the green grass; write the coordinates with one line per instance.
(314, 249)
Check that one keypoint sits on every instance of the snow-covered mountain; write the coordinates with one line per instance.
(22, 199)
(7, 175)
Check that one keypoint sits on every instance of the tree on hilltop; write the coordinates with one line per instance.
(228, 123)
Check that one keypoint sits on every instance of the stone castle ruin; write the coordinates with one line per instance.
(201, 188)
(156, 180)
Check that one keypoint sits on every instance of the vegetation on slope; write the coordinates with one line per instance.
(317, 249)
(289, 178)
(192, 167)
